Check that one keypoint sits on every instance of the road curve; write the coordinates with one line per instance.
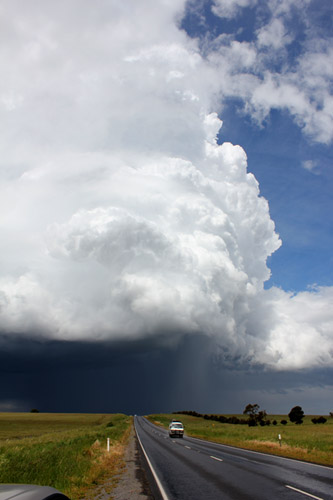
(193, 469)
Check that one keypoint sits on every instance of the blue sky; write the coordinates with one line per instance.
(300, 200)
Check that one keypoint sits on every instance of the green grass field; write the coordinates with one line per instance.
(309, 442)
(66, 451)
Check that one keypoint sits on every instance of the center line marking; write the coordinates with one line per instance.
(188, 447)
(303, 492)
(215, 458)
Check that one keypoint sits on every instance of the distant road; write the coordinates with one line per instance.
(192, 469)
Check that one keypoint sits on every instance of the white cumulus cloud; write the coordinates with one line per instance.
(121, 216)
(230, 8)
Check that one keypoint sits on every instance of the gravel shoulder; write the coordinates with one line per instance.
(131, 483)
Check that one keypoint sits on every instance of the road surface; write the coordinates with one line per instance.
(192, 469)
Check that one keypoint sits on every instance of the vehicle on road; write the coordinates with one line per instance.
(29, 492)
(176, 429)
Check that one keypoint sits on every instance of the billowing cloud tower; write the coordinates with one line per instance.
(122, 216)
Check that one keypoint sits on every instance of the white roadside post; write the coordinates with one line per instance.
(108, 444)
(280, 439)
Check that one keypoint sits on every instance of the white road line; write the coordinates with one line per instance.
(158, 482)
(215, 458)
(303, 492)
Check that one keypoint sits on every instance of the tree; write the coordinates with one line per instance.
(34, 410)
(255, 416)
(251, 410)
(296, 415)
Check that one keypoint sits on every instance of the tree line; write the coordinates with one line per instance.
(255, 416)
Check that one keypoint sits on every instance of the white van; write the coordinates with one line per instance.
(176, 429)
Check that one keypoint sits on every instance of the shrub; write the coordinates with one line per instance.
(284, 422)
(233, 420)
(319, 420)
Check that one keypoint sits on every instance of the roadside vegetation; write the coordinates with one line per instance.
(309, 442)
(66, 451)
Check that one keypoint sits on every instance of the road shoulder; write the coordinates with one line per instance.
(133, 482)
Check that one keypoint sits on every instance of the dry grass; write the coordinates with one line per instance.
(105, 470)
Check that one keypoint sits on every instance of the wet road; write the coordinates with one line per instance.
(192, 469)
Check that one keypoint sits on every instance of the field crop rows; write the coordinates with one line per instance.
(309, 442)
(66, 451)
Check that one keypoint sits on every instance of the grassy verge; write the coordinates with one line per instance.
(309, 442)
(66, 451)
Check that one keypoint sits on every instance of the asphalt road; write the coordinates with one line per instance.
(192, 469)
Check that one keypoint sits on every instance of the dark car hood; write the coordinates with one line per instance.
(28, 492)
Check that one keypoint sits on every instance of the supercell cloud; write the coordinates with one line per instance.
(121, 215)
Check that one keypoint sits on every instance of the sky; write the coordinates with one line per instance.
(165, 205)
